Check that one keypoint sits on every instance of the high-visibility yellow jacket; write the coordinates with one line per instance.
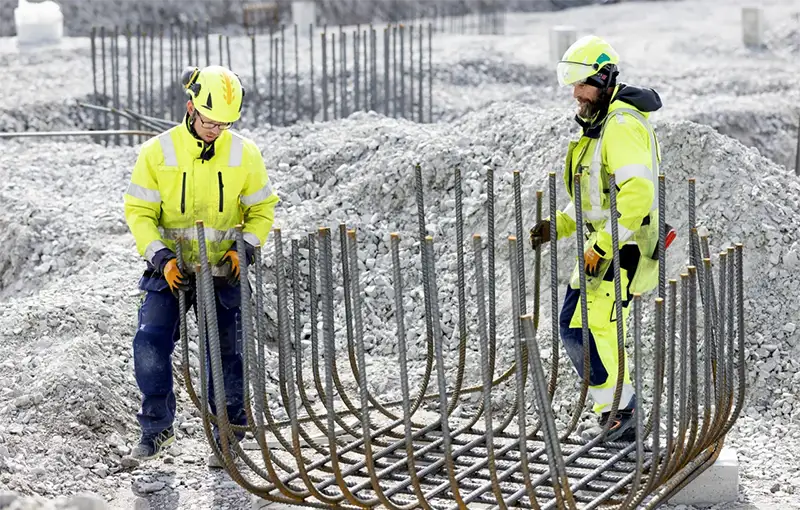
(623, 144)
(177, 180)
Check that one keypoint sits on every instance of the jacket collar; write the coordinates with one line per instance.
(195, 146)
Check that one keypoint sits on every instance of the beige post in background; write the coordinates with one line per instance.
(752, 27)
(561, 38)
(304, 13)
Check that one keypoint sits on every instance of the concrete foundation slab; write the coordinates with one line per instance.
(717, 484)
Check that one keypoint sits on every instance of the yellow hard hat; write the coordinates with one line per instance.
(586, 57)
(215, 91)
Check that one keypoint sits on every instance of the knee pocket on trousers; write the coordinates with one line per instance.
(601, 305)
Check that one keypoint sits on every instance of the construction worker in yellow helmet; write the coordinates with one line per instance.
(198, 170)
(616, 138)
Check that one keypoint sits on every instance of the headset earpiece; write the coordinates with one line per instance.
(189, 81)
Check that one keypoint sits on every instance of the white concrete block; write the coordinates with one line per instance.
(561, 38)
(304, 13)
(717, 484)
(38, 24)
(752, 27)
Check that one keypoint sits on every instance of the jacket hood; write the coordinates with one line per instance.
(643, 99)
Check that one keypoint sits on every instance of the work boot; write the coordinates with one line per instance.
(622, 428)
(151, 445)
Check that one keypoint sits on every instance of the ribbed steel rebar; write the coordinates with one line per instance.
(405, 454)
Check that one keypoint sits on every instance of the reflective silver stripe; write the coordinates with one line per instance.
(626, 172)
(259, 196)
(168, 148)
(624, 233)
(152, 248)
(212, 235)
(595, 215)
(595, 175)
(604, 397)
(142, 193)
(252, 239)
(652, 173)
(237, 149)
(570, 210)
(654, 167)
(223, 270)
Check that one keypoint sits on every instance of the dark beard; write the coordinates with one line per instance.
(589, 110)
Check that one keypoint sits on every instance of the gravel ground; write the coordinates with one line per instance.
(68, 398)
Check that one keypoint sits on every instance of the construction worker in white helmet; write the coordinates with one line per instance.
(198, 170)
(616, 138)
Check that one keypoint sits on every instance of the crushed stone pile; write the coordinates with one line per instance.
(69, 304)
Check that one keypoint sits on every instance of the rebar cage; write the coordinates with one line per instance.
(400, 454)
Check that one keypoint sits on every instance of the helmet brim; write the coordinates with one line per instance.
(570, 73)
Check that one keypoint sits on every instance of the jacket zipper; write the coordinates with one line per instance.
(219, 175)
(183, 194)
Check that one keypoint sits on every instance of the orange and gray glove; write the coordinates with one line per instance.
(540, 234)
(591, 261)
(231, 259)
(174, 277)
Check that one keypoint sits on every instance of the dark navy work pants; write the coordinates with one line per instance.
(155, 340)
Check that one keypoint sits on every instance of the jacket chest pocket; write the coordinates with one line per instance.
(173, 187)
(228, 184)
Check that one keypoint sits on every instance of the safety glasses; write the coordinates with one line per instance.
(209, 124)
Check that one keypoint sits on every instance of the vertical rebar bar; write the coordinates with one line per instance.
(397, 281)
(136, 102)
(228, 52)
(394, 71)
(411, 71)
(662, 236)
(440, 369)
(374, 69)
(296, 74)
(333, 74)
(283, 74)
(620, 322)
(490, 248)
(105, 80)
(386, 71)
(554, 331)
(129, 101)
(692, 223)
(585, 340)
(420, 200)
(208, 42)
(520, 252)
(324, 41)
(151, 96)
(487, 375)
(519, 359)
(421, 76)
(367, 59)
(558, 476)
(343, 54)
(462, 300)
(311, 68)
(430, 74)
(255, 78)
(402, 72)
(356, 70)
(115, 81)
(93, 37)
